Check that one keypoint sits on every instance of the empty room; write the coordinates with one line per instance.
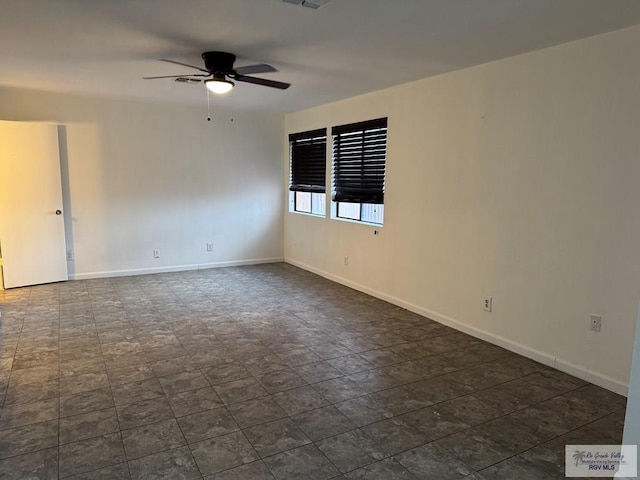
(323, 239)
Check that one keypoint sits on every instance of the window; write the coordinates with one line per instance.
(359, 158)
(308, 154)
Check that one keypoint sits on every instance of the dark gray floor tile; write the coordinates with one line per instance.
(137, 391)
(275, 437)
(397, 434)
(317, 372)
(330, 350)
(554, 417)
(27, 413)
(382, 357)
(185, 344)
(550, 456)
(264, 364)
(373, 381)
(256, 411)
(439, 389)
(226, 373)
(413, 429)
(601, 401)
(517, 467)
(87, 425)
(481, 376)
(83, 383)
(475, 449)
(470, 409)
(554, 380)
(298, 400)
(29, 438)
(34, 375)
(304, 463)
(350, 364)
(153, 438)
(476, 476)
(86, 402)
(512, 434)
(240, 390)
(115, 336)
(351, 450)
(42, 464)
(173, 365)
(358, 344)
(612, 425)
(387, 469)
(363, 410)
(182, 382)
(339, 389)
(91, 454)
(399, 400)
(186, 403)
(119, 471)
(433, 461)
(207, 424)
(281, 380)
(171, 464)
(30, 359)
(81, 365)
(132, 374)
(223, 453)
(514, 395)
(323, 422)
(251, 471)
(143, 412)
(299, 356)
(32, 392)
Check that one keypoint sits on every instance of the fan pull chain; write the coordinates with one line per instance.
(208, 107)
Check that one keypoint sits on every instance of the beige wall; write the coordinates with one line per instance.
(144, 176)
(516, 179)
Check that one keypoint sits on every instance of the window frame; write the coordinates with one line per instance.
(358, 167)
(307, 170)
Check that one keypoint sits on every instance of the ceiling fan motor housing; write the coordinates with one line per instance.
(218, 62)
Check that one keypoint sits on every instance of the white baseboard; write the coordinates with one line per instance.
(173, 268)
(539, 356)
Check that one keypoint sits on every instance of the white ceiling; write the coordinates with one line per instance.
(345, 48)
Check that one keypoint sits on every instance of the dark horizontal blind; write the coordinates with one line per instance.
(308, 161)
(359, 157)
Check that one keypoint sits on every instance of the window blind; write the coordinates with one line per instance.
(308, 161)
(359, 158)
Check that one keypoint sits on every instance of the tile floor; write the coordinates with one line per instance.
(270, 372)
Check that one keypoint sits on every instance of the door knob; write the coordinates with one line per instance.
(58, 212)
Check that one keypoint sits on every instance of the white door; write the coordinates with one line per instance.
(32, 240)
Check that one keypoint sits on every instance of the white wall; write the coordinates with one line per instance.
(516, 179)
(144, 176)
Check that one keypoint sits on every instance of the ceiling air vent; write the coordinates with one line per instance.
(314, 4)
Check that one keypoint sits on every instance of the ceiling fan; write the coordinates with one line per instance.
(219, 66)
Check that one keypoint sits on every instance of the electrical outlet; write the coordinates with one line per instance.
(596, 323)
(209, 246)
(69, 255)
(156, 254)
(346, 261)
(488, 304)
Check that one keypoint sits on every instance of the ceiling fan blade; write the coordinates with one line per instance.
(187, 80)
(176, 76)
(262, 81)
(183, 64)
(251, 69)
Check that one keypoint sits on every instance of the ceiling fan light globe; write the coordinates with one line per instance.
(219, 87)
